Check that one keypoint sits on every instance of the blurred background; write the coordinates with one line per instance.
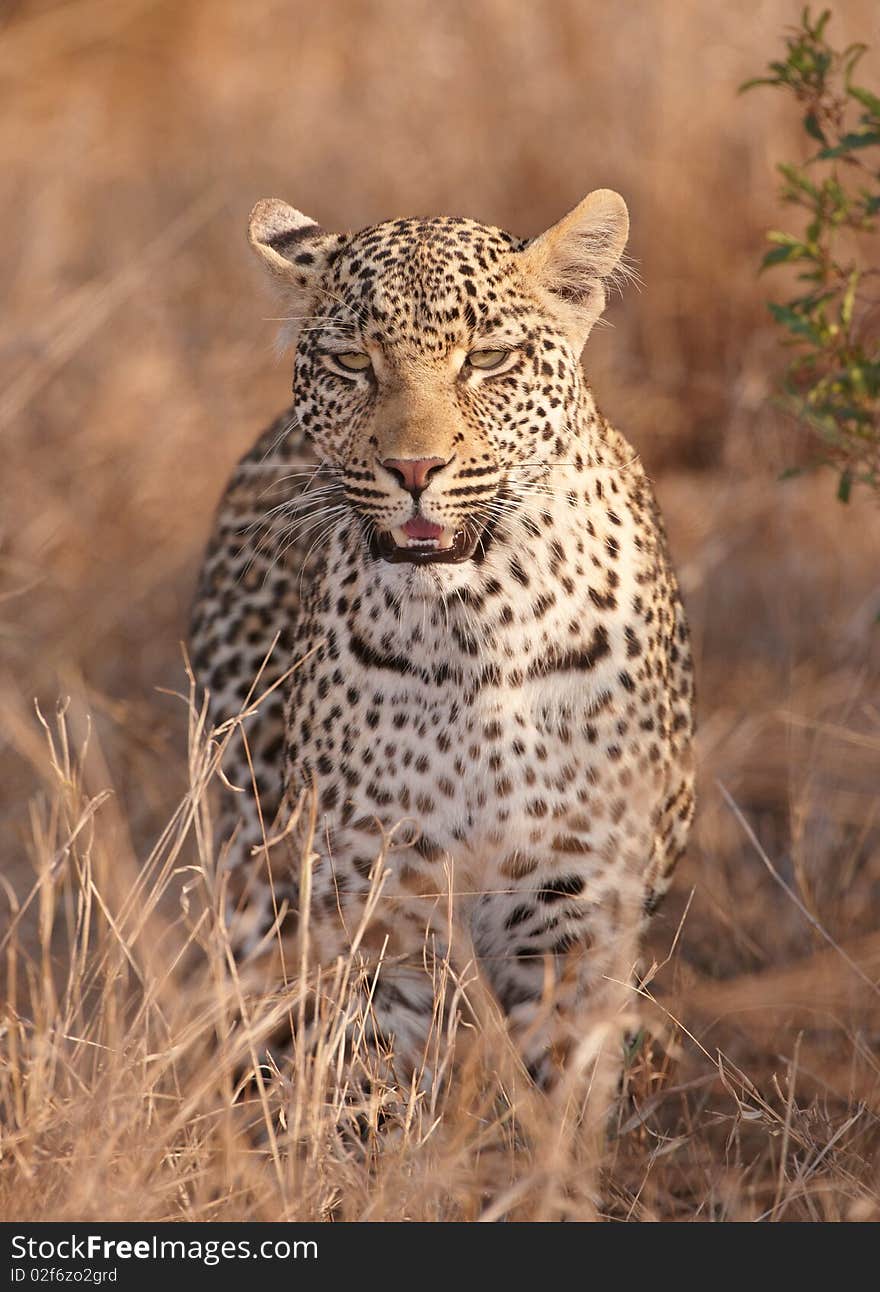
(137, 365)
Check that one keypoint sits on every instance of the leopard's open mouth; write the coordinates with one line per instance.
(419, 542)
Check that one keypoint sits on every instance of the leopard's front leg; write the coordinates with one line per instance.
(369, 920)
(558, 939)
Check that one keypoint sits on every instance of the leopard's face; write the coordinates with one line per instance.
(436, 371)
(434, 384)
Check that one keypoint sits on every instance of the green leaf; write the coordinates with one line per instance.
(811, 301)
(841, 413)
(824, 19)
(798, 179)
(774, 257)
(812, 127)
(779, 255)
(834, 192)
(779, 235)
(845, 487)
(794, 322)
(849, 143)
(865, 97)
(757, 80)
(860, 376)
(849, 298)
(851, 56)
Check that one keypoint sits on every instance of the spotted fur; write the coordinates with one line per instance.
(525, 712)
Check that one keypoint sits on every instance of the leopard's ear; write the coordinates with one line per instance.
(295, 251)
(574, 261)
(289, 244)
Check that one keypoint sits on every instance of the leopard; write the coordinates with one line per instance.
(446, 574)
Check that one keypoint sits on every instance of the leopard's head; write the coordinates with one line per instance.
(437, 362)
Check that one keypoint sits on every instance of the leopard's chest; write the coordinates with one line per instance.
(494, 716)
(487, 764)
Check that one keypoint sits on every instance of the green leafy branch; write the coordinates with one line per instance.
(832, 384)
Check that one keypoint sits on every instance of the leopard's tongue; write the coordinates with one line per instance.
(419, 531)
(418, 527)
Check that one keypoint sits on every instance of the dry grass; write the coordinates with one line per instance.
(135, 365)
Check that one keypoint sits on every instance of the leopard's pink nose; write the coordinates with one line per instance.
(413, 473)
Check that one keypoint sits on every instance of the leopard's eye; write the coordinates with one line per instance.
(352, 361)
(487, 360)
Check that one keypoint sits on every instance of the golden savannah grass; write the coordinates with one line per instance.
(136, 365)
